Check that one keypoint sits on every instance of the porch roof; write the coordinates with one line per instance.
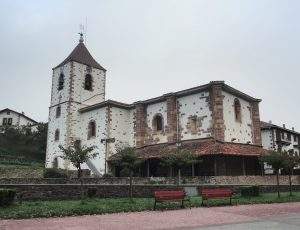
(203, 148)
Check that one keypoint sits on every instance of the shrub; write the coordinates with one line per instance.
(55, 173)
(250, 191)
(7, 197)
(91, 192)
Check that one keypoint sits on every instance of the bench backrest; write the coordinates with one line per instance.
(169, 195)
(216, 192)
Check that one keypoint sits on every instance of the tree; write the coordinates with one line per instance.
(127, 159)
(290, 162)
(179, 159)
(78, 155)
(276, 160)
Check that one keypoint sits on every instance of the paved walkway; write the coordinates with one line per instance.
(263, 216)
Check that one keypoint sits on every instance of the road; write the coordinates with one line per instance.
(262, 216)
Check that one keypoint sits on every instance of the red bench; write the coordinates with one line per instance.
(216, 193)
(169, 196)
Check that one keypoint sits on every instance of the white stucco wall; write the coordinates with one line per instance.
(195, 105)
(97, 93)
(267, 139)
(152, 110)
(121, 128)
(100, 118)
(242, 131)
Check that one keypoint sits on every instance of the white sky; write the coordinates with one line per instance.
(151, 47)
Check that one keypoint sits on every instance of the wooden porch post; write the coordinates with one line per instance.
(148, 167)
(243, 166)
(215, 166)
(193, 170)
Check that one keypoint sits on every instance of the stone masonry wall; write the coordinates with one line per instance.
(256, 124)
(217, 110)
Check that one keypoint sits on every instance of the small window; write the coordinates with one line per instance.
(289, 136)
(157, 122)
(282, 136)
(4, 121)
(295, 138)
(91, 129)
(56, 136)
(58, 111)
(9, 121)
(88, 82)
(193, 124)
(8, 112)
(237, 110)
(55, 163)
(61, 81)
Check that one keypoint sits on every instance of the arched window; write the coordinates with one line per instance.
(61, 81)
(157, 122)
(237, 110)
(91, 129)
(56, 136)
(58, 111)
(88, 82)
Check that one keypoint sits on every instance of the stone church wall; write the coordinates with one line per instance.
(242, 131)
(195, 108)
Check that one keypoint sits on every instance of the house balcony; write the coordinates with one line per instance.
(284, 142)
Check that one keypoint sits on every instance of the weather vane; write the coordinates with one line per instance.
(81, 28)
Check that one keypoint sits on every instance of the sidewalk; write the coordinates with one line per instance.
(194, 218)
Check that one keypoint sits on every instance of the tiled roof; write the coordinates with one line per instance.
(266, 125)
(81, 54)
(201, 148)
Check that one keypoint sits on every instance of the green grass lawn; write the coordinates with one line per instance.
(31, 209)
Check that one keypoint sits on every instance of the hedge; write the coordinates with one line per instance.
(7, 197)
(250, 191)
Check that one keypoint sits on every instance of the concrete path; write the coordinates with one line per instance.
(263, 216)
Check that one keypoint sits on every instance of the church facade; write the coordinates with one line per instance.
(216, 122)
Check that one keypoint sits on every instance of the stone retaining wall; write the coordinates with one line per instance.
(211, 180)
(72, 191)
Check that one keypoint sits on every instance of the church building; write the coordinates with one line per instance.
(216, 122)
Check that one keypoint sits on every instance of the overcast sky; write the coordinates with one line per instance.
(151, 47)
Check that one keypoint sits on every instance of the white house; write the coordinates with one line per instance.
(9, 117)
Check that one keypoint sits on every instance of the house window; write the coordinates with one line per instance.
(282, 136)
(9, 121)
(289, 136)
(4, 121)
(61, 81)
(91, 129)
(56, 136)
(295, 138)
(237, 110)
(8, 113)
(88, 82)
(58, 111)
(157, 122)
(193, 124)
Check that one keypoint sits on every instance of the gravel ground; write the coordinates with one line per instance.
(195, 218)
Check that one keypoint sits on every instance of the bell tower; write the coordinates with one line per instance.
(77, 82)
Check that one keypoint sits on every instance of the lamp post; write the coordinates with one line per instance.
(106, 141)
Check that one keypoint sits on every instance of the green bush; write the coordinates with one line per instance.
(7, 197)
(55, 173)
(250, 191)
